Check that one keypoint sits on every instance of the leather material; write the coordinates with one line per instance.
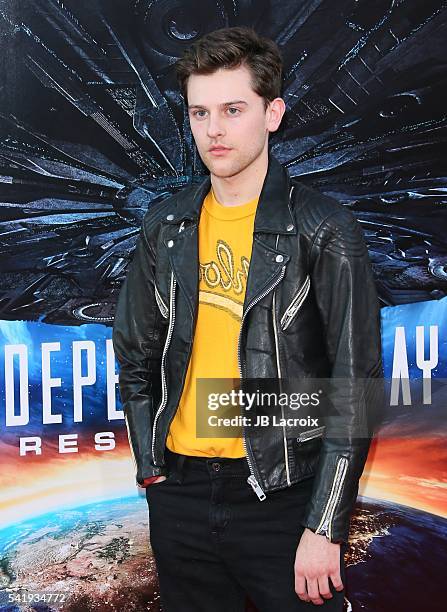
(310, 267)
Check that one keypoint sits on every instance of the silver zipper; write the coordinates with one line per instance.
(295, 304)
(325, 525)
(278, 367)
(311, 434)
(164, 395)
(252, 478)
(161, 305)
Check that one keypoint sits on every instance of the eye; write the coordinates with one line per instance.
(199, 114)
(233, 110)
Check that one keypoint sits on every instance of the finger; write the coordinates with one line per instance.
(312, 589)
(159, 479)
(323, 586)
(337, 581)
(300, 587)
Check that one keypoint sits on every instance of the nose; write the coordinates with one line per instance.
(215, 126)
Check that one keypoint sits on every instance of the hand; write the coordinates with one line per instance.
(150, 481)
(317, 559)
(159, 479)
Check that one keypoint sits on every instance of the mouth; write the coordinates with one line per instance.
(219, 151)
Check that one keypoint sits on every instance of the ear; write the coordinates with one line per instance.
(274, 114)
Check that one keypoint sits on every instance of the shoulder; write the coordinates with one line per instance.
(316, 212)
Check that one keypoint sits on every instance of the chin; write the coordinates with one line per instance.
(224, 170)
(219, 169)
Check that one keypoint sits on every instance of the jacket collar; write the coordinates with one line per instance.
(273, 214)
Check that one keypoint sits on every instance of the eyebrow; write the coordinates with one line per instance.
(223, 104)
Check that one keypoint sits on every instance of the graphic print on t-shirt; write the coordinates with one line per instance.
(226, 280)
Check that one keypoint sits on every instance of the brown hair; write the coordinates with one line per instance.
(230, 48)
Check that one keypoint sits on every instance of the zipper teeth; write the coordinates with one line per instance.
(344, 467)
(325, 525)
(161, 305)
(309, 435)
(171, 311)
(295, 304)
(263, 294)
(165, 349)
(278, 366)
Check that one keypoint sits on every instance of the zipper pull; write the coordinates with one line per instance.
(256, 488)
(324, 529)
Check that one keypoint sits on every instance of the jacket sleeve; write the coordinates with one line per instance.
(137, 341)
(347, 300)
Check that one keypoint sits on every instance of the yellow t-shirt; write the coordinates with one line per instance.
(225, 243)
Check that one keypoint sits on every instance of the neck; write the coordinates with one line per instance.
(244, 186)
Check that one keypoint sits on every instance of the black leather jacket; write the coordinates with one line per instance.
(310, 310)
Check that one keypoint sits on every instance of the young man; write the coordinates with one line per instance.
(249, 275)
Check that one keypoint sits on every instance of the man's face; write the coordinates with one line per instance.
(224, 111)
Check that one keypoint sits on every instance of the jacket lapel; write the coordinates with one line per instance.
(184, 259)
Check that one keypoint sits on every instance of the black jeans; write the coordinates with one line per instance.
(214, 542)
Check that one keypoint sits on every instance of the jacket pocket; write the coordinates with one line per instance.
(311, 434)
(160, 303)
(296, 303)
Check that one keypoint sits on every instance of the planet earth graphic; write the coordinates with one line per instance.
(98, 557)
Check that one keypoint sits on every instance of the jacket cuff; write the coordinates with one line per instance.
(329, 510)
(335, 539)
